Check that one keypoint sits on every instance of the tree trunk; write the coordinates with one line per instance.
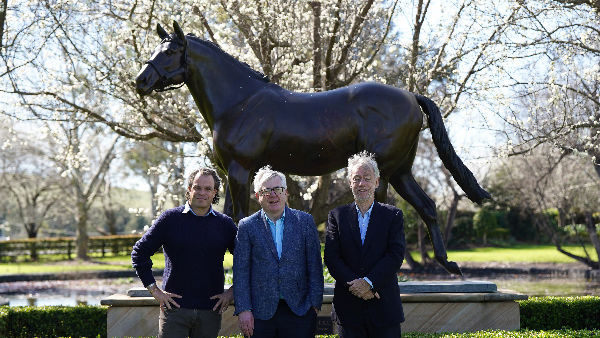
(591, 230)
(317, 50)
(320, 197)
(32, 230)
(451, 217)
(81, 240)
(3, 11)
(153, 181)
(295, 200)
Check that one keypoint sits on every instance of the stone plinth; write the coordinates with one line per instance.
(456, 306)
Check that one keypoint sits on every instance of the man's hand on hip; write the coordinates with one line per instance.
(223, 300)
(165, 299)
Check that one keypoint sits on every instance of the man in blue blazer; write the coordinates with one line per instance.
(277, 268)
(364, 250)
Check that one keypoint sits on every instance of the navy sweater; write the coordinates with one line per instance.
(194, 248)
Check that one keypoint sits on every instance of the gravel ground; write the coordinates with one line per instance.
(91, 286)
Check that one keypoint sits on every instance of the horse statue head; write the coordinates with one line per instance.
(167, 68)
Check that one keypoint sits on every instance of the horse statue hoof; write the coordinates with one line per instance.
(449, 266)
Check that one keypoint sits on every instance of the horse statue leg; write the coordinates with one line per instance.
(228, 204)
(239, 186)
(408, 188)
(381, 191)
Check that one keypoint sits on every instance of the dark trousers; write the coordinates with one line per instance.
(369, 331)
(365, 328)
(286, 323)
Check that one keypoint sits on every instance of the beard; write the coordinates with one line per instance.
(363, 196)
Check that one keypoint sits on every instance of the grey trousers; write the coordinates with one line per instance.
(183, 323)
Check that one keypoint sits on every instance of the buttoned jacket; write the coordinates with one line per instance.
(260, 278)
(379, 259)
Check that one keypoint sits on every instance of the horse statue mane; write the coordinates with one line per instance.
(253, 72)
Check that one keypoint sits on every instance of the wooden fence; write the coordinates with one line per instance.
(34, 247)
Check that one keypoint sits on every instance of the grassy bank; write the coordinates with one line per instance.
(515, 253)
(522, 253)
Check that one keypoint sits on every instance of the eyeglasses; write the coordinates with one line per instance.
(268, 191)
(357, 179)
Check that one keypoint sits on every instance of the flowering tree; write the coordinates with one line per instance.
(557, 80)
(549, 89)
(29, 183)
(106, 44)
(97, 48)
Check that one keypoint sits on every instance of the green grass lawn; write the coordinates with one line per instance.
(515, 253)
(50, 265)
(521, 253)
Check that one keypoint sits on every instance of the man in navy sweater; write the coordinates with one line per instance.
(194, 238)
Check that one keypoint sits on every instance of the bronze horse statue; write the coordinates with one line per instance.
(255, 122)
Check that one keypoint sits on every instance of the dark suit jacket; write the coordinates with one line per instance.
(259, 276)
(379, 259)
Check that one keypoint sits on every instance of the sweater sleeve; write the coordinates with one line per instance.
(147, 246)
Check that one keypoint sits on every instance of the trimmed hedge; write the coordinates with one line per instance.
(510, 334)
(554, 313)
(550, 317)
(53, 321)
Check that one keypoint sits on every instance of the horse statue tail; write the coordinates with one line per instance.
(463, 176)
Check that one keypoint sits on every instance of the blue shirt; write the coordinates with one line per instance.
(276, 230)
(363, 224)
(187, 209)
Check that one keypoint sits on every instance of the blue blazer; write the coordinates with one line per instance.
(260, 277)
(379, 259)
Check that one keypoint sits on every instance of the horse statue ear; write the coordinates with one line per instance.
(179, 32)
(162, 33)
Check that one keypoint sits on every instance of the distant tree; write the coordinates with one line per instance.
(545, 179)
(484, 222)
(148, 159)
(82, 157)
(27, 179)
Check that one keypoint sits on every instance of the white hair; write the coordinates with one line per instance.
(364, 158)
(266, 173)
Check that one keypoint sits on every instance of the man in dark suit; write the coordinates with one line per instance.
(364, 250)
(277, 268)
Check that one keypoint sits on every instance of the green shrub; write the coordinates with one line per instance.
(4, 320)
(491, 334)
(53, 321)
(553, 313)
(551, 317)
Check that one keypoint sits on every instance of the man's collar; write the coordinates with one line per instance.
(368, 211)
(187, 209)
(264, 216)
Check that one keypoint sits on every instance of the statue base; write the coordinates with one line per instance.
(440, 306)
